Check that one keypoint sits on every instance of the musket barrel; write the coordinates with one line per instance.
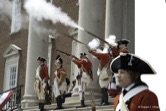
(67, 54)
(75, 39)
(97, 37)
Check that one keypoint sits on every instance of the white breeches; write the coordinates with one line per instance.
(104, 83)
(85, 80)
(81, 89)
(58, 90)
(39, 90)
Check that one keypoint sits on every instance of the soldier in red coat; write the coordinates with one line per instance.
(135, 94)
(41, 82)
(85, 76)
(60, 84)
(104, 73)
(121, 48)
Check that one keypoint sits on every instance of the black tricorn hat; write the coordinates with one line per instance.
(59, 59)
(128, 61)
(123, 41)
(82, 55)
(41, 59)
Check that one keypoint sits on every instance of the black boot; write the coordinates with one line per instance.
(59, 103)
(102, 96)
(105, 97)
(82, 104)
(63, 98)
(41, 106)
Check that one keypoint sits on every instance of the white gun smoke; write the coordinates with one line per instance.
(94, 43)
(40, 29)
(40, 9)
(112, 40)
(5, 9)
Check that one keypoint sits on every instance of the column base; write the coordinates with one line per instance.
(29, 101)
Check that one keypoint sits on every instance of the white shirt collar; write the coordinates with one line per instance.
(129, 87)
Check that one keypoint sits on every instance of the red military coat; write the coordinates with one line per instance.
(60, 74)
(85, 64)
(44, 74)
(143, 101)
(103, 57)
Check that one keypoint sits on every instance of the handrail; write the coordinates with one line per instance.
(15, 100)
(12, 89)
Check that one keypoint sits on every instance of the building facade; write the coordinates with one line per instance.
(21, 42)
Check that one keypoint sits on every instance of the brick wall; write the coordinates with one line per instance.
(21, 40)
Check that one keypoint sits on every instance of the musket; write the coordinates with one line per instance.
(74, 39)
(67, 54)
(98, 37)
(90, 34)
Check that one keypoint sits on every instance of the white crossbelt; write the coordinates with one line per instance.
(122, 106)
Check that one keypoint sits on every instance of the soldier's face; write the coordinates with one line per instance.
(57, 64)
(121, 46)
(39, 62)
(124, 78)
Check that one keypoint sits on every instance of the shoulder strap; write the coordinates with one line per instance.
(130, 94)
(134, 91)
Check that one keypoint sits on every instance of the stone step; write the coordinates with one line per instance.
(71, 108)
(71, 103)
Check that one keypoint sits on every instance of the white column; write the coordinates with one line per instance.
(120, 20)
(91, 17)
(114, 18)
(37, 46)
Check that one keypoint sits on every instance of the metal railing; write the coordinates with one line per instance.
(15, 101)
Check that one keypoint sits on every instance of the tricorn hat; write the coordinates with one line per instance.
(123, 41)
(41, 59)
(82, 55)
(59, 59)
(128, 61)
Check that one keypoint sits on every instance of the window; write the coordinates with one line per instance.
(12, 76)
(11, 56)
(12, 82)
(16, 16)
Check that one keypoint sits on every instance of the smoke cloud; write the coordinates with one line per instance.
(42, 30)
(94, 43)
(5, 9)
(40, 9)
(111, 40)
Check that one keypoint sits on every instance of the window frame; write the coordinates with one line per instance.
(11, 56)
